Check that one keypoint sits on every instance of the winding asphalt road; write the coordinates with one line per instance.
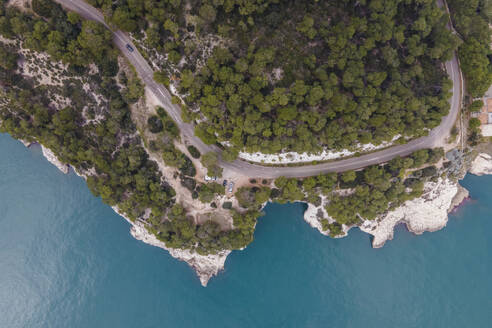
(434, 138)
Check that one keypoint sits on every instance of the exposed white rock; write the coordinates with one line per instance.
(427, 213)
(26, 143)
(294, 157)
(50, 156)
(205, 266)
(481, 165)
(311, 217)
(314, 214)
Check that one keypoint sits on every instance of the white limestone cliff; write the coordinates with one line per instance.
(205, 266)
(51, 157)
(481, 165)
(426, 213)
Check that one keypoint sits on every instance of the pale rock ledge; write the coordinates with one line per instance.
(313, 216)
(481, 165)
(426, 213)
(205, 266)
(51, 157)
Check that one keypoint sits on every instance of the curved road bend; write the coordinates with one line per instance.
(435, 137)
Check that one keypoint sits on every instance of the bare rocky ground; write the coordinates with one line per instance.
(426, 213)
(201, 212)
(23, 5)
(54, 77)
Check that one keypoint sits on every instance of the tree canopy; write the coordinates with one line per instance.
(302, 75)
(472, 19)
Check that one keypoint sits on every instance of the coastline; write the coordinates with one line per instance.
(481, 165)
(313, 214)
(427, 213)
(51, 157)
(205, 266)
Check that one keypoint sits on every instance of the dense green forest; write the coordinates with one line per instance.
(301, 75)
(337, 77)
(107, 150)
(471, 19)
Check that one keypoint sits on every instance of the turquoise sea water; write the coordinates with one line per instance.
(67, 260)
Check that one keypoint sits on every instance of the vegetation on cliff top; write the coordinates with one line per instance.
(353, 196)
(107, 149)
(370, 71)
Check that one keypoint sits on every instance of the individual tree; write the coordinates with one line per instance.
(210, 161)
(476, 106)
(155, 124)
(161, 77)
(474, 123)
(348, 176)
(230, 154)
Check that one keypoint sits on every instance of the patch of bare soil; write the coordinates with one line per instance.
(54, 76)
(22, 5)
(201, 212)
(41, 68)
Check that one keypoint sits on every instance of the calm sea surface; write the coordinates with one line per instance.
(67, 260)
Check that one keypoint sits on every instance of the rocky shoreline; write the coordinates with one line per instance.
(50, 156)
(481, 165)
(426, 213)
(205, 266)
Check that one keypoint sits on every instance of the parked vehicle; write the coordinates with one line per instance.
(224, 183)
(207, 178)
(129, 47)
(231, 186)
